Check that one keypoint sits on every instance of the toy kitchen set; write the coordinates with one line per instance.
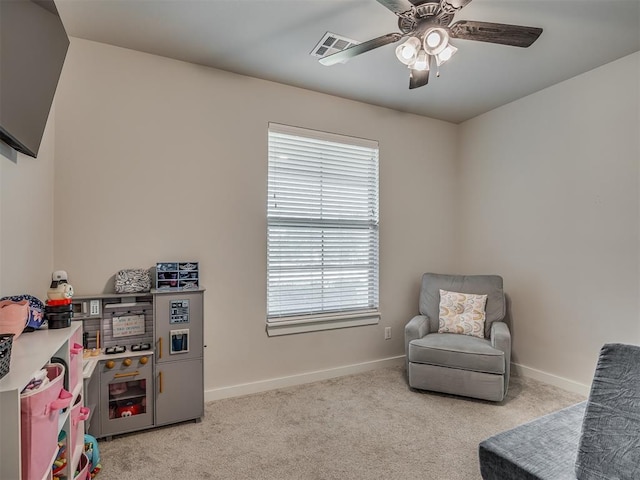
(143, 364)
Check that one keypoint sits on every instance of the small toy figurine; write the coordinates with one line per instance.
(59, 288)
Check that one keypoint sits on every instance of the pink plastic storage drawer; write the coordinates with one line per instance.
(83, 469)
(39, 413)
(78, 415)
(75, 356)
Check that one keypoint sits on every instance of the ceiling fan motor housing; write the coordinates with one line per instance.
(426, 13)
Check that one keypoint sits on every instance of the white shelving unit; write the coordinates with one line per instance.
(29, 353)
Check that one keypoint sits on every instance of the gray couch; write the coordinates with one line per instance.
(594, 440)
(459, 364)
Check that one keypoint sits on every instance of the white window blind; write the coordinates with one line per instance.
(322, 239)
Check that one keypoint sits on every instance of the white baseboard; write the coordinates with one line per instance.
(299, 379)
(308, 377)
(556, 381)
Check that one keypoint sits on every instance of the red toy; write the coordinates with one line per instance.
(129, 410)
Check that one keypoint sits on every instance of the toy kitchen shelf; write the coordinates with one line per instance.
(177, 275)
(29, 353)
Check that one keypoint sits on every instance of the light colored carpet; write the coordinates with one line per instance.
(365, 426)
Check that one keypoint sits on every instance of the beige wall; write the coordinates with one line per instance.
(26, 219)
(547, 189)
(549, 185)
(159, 160)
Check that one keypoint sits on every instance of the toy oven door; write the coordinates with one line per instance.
(126, 394)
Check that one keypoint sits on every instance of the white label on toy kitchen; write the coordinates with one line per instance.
(128, 325)
(179, 311)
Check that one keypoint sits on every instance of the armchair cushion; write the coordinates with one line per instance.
(457, 351)
(462, 313)
(609, 447)
(543, 449)
(592, 440)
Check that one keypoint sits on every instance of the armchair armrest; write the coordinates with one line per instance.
(417, 327)
(501, 337)
(501, 340)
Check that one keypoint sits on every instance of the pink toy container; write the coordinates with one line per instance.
(83, 469)
(39, 413)
(78, 415)
(75, 356)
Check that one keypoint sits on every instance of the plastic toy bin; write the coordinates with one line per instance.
(78, 415)
(39, 413)
(75, 355)
(83, 469)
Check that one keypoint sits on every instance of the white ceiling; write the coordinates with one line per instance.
(272, 39)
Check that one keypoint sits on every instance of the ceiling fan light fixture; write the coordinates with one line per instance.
(445, 54)
(422, 61)
(407, 52)
(435, 40)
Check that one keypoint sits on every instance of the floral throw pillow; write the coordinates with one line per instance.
(462, 313)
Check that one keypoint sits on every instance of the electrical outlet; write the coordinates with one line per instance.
(387, 333)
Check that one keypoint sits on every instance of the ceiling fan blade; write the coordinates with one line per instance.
(360, 48)
(452, 6)
(514, 35)
(399, 7)
(448, 9)
(418, 78)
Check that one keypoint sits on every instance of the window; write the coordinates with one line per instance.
(322, 238)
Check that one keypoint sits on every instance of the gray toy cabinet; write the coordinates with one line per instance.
(178, 356)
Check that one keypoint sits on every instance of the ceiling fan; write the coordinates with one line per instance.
(426, 26)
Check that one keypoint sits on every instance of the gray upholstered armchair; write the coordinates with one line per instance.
(455, 363)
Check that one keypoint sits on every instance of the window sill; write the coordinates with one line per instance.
(315, 324)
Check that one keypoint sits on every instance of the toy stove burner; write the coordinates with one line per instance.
(140, 346)
(115, 349)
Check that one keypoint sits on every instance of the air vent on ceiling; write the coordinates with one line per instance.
(332, 43)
